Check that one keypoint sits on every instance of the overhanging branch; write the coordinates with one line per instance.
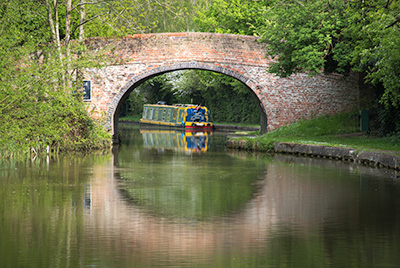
(393, 23)
(87, 3)
(84, 22)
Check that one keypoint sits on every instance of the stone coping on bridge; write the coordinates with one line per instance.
(373, 158)
(177, 35)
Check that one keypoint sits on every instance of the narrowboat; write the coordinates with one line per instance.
(187, 116)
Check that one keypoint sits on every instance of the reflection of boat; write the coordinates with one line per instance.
(176, 140)
(187, 116)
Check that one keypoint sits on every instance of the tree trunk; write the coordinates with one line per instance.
(68, 6)
(82, 18)
(57, 24)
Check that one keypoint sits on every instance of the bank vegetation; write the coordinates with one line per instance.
(41, 105)
(340, 130)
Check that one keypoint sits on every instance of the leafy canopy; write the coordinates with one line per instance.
(306, 36)
(232, 16)
(319, 36)
(336, 36)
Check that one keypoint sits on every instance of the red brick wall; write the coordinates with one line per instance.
(133, 59)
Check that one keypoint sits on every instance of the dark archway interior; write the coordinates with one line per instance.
(249, 92)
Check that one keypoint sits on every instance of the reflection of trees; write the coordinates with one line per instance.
(190, 188)
(41, 211)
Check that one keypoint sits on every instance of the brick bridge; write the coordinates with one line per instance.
(132, 60)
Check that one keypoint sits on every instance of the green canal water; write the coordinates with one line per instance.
(170, 199)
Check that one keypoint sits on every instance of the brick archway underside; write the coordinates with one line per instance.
(134, 59)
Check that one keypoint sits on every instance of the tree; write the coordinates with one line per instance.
(336, 36)
(378, 54)
(37, 106)
(232, 16)
(306, 36)
(323, 36)
(124, 17)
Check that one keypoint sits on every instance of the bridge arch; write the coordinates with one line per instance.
(133, 59)
(115, 106)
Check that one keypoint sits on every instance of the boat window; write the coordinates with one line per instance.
(159, 115)
(189, 115)
(181, 114)
(164, 114)
(168, 115)
(174, 116)
(144, 112)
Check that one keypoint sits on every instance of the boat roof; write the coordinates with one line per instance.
(175, 105)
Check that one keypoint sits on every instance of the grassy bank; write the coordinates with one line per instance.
(130, 118)
(340, 130)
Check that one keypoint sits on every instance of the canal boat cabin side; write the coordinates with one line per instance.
(188, 116)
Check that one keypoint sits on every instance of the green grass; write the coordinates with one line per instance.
(130, 118)
(341, 130)
(237, 124)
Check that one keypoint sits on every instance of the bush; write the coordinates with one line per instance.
(57, 121)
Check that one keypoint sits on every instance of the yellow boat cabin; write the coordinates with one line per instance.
(188, 116)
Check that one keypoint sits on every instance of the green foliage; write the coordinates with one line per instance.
(303, 36)
(37, 105)
(153, 90)
(379, 52)
(334, 36)
(232, 16)
(340, 130)
(38, 112)
(322, 36)
(228, 99)
(320, 126)
(124, 17)
(388, 119)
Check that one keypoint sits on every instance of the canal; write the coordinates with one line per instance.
(170, 199)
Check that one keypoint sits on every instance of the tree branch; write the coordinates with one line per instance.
(388, 3)
(86, 3)
(84, 22)
(393, 23)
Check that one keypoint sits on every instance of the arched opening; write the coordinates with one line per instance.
(115, 108)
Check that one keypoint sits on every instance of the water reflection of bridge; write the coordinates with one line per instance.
(286, 197)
